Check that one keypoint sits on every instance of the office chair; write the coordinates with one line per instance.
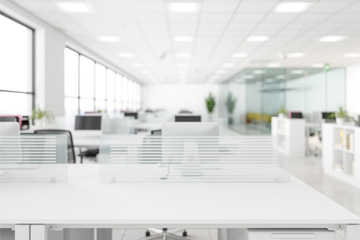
(70, 143)
(156, 132)
(163, 233)
(88, 153)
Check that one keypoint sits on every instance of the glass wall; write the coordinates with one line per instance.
(16, 61)
(93, 87)
(266, 92)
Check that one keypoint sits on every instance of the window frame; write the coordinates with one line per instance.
(94, 99)
(33, 61)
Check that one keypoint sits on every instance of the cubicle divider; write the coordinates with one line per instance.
(33, 158)
(190, 159)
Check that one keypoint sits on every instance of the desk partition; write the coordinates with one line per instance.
(33, 158)
(190, 159)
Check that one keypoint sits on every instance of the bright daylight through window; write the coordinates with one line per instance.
(16, 61)
(93, 87)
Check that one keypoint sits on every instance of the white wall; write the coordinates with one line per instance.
(174, 97)
(353, 89)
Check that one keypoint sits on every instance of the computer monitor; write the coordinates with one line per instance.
(131, 114)
(88, 122)
(9, 119)
(9, 129)
(190, 129)
(328, 115)
(187, 118)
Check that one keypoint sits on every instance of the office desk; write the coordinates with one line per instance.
(148, 126)
(83, 202)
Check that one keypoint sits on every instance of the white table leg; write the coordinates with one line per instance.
(22, 232)
(352, 232)
(39, 232)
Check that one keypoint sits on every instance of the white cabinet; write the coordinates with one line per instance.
(341, 152)
(291, 135)
(279, 234)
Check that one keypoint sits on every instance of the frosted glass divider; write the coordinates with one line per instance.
(134, 158)
(33, 158)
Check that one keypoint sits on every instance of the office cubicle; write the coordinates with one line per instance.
(190, 159)
(33, 158)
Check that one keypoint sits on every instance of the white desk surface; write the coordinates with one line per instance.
(83, 200)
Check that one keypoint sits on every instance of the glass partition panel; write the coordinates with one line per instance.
(33, 158)
(261, 93)
(190, 159)
(335, 87)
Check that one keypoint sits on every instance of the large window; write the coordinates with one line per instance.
(16, 64)
(93, 87)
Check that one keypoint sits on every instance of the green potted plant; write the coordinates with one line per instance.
(282, 112)
(341, 116)
(210, 104)
(41, 115)
(230, 105)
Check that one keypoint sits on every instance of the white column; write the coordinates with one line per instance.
(38, 232)
(22, 232)
(352, 232)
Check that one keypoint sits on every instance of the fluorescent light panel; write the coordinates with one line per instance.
(239, 55)
(273, 65)
(183, 7)
(126, 55)
(108, 38)
(228, 65)
(75, 7)
(332, 38)
(137, 65)
(183, 55)
(221, 72)
(257, 38)
(292, 7)
(318, 65)
(183, 39)
(295, 55)
(352, 55)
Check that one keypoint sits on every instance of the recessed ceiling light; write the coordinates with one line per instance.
(137, 65)
(75, 7)
(273, 65)
(296, 72)
(239, 55)
(295, 55)
(183, 65)
(292, 7)
(228, 65)
(352, 55)
(221, 72)
(183, 55)
(183, 7)
(259, 71)
(249, 76)
(108, 38)
(126, 55)
(257, 38)
(318, 65)
(332, 38)
(183, 39)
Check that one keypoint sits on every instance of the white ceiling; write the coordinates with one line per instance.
(219, 28)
